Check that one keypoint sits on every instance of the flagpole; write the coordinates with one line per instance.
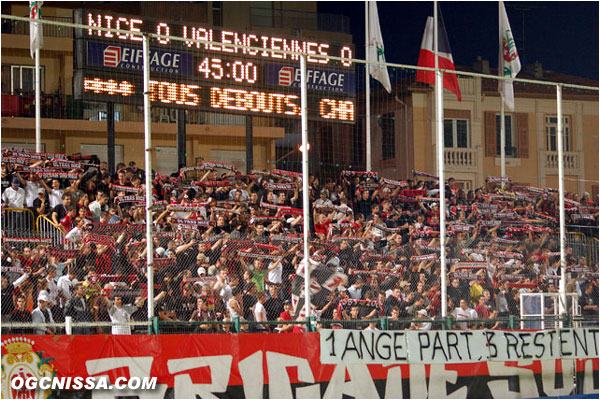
(562, 304)
(38, 105)
(305, 176)
(148, 166)
(502, 122)
(502, 140)
(367, 90)
(439, 113)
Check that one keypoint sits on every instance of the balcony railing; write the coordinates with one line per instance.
(22, 28)
(571, 160)
(460, 158)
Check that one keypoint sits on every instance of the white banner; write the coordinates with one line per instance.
(362, 347)
(455, 347)
(441, 347)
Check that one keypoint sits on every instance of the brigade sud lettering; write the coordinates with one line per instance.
(263, 373)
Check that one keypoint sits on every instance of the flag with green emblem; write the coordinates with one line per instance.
(509, 64)
(36, 40)
(376, 50)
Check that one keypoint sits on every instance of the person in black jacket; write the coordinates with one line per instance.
(78, 310)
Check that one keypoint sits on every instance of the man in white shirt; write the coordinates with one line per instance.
(323, 199)
(355, 290)
(222, 286)
(120, 314)
(421, 326)
(463, 313)
(260, 313)
(274, 273)
(65, 285)
(55, 193)
(31, 188)
(52, 286)
(14, 196)
(97, 206)
(42, 315)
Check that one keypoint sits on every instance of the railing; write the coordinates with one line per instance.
(593, 251)
(460, 158)
(578, 242)
(237, 325)
(22, 28)
(571, 160)
(18, 222)
(47, 229)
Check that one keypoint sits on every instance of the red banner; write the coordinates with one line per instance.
(278, 366)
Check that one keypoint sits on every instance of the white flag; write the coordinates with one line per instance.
(36, 40)
(376, 52)
(508, 59)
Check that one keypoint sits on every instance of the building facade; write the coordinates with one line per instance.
(472, 134)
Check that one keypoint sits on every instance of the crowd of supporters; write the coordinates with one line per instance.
(229, 245)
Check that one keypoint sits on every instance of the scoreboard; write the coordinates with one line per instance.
(211, 77)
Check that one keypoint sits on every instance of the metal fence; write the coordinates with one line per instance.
(226, 247)
(18, 222)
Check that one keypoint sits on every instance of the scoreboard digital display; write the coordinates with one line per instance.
(211, 77)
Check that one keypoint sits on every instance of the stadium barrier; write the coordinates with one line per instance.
(18, 222)
(48, 229)
(238, 325)
(578, 242)
(327, 364)
(593, 251)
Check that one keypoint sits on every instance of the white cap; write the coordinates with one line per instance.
(422, 312)
(160, 251)
(43, 296)
(201, 270)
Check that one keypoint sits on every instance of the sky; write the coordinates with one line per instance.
(563, 36)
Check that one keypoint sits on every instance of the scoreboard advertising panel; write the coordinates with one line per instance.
(211, 77)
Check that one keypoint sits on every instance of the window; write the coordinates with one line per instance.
(456, 133)
(261, 13)
(235, 157)
(552, 129)
(517, 134)
(217, 12)
(509, 148)
(102, 152)
(388, 136)
(23, 78)
(166, 160)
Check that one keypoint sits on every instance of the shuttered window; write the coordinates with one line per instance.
(517, 135)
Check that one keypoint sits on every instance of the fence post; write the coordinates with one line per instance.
(384, 323)
(156, 326)
(309, 324)
(68, 325)
(511, 321)
(236, 324)
(448, 323)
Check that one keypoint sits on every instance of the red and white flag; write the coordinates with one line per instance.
(427, 57)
